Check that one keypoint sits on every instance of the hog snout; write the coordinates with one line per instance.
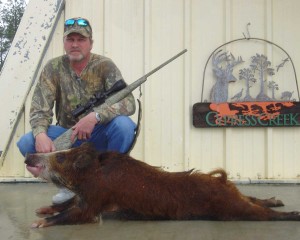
(34, 165)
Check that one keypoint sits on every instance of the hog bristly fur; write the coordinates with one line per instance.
(136, 190)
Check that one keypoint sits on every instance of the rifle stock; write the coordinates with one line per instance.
(64, 142)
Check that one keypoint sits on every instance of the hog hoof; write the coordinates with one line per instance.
(40, 224)
(275, 203)
(294, 216)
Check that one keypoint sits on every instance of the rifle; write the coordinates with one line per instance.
(64, 142)
(98, 99)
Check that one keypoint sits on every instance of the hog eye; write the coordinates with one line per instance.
(60, 158)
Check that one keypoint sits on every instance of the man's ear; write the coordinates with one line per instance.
(92, 43)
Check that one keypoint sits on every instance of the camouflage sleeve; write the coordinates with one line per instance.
(124, 107)
(41, 113)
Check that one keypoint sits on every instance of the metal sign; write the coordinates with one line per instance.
(257, 101)
(247, 114)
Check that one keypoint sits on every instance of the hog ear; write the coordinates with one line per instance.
(84, 160)
(87, 146)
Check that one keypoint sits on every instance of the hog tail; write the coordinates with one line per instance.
(220, 173)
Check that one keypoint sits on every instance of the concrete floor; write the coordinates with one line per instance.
(19, 200)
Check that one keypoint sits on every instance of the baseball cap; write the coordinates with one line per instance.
(78, 25)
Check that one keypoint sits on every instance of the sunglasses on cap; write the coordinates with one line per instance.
(80, 22)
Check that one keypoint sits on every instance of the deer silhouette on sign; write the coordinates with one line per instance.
(223, 64)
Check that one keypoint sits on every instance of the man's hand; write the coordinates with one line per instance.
(43, 144)
(83, 129)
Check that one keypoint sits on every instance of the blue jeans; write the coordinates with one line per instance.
(117, 135)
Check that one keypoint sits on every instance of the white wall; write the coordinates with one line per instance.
(141, 34)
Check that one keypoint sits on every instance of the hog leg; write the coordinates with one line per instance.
(271, 202)
(55, 208)
(266, 214)
(74, 215)
(240, 209)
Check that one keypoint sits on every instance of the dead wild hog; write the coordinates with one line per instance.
(136, 190)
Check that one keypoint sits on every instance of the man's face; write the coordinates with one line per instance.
(77, 47)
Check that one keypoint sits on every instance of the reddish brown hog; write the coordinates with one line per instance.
(136, 190)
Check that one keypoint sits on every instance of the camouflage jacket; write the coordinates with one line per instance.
(60, 86)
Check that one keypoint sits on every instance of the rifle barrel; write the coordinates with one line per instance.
(165, 63)
(125, 91)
